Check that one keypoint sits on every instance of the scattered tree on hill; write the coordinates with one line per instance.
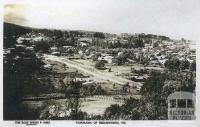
(99, 35)
(139, 43)
(43, 46)
(99, 64)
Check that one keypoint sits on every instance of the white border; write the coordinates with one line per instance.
(160, 123)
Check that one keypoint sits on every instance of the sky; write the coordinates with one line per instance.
(174, 18)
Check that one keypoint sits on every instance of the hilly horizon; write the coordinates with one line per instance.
(13, 26)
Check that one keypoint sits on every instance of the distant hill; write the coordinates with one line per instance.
(10, 30)
(13, 29)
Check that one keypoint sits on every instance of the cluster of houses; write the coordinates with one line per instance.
(32, 37)
(155, 53)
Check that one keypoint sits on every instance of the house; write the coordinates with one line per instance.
(169, 52)
(106, 57)
(47, 67)
(83, 44)
(138, 78)
(29, 48)
(79, 80)
(20, 46)
(120, 53)
(162, 61)
(89, 83)
(85, 40)
(154, 63)
(67, 47)
(53, 49)
(55, 53)
(131, 61)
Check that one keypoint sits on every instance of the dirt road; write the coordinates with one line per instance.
(101, 76)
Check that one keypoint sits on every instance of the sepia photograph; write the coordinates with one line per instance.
(105, 60)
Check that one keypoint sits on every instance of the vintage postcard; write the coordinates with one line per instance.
(100, 62)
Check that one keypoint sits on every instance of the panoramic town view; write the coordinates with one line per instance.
(58, 74)
(54, 74)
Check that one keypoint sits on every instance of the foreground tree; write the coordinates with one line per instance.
(19, 80)
(153, 101)
(113, 112)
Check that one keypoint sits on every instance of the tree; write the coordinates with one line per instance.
(164, 38)
(109, 70)
(58, 34)
(27, 43)
(99, 90)
(43, 46)
(99, 64)
(19, 80)
(113, 112)
(129, 105)
(154, 84)
(152, 104)
(96, 56)
(193, 66)
(122, 58)
(99, 35)
(139, 43)
(155, 44)
(74, 104)
(173, 64)
(184, 64)
(128, 111)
